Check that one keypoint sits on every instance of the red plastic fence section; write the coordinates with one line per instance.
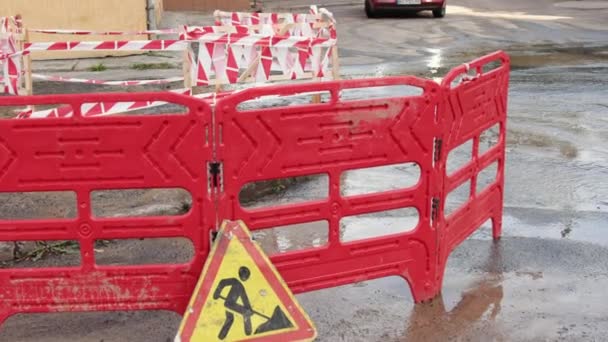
(88, 154)
(331, 138)
(469, 108)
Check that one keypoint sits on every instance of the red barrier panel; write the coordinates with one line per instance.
(469, 109)
(213, 153)
(86, 154)
(331, 138)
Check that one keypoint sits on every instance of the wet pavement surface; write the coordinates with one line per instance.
(545, 279)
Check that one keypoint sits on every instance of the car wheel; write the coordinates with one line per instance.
(439, 13)
(369, 11)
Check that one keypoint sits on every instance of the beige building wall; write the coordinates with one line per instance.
(95, 15)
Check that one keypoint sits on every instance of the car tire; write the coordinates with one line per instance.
(439, 13)
(369, 10)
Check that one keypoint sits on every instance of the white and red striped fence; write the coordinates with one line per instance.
(11, 56)
(317, 21)
(110, 108)
(239, 57)
(253, 47)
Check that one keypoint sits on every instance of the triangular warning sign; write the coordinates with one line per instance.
(240, 296)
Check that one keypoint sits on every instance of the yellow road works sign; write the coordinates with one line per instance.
(240, 296)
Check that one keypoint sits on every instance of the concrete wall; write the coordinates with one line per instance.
(97, 15)
(206, 5)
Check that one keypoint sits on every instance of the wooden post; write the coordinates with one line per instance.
(218, 86)
(187, 66)
(335, 63)
(254, 65)
(27, 65)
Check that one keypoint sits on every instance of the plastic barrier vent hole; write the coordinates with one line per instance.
(143, 251)
(487, 177)
(292, 237)
(283, 191)
(489, 138)
(39, 254)
(141, 202)
(378, 224)
(379, 179)
(457, 198)
(37, 205)
(459, 157)
(379, 92)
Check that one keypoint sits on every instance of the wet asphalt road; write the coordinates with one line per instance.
(546, 279)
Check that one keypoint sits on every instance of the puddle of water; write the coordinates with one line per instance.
(566, 223)
(586, 5)
(487, 294)
(557, 150)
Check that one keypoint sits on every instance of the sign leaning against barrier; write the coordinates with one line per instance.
(213, 152)
(239, 280)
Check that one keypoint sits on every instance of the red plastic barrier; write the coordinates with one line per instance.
(214, 153)
(331, 138)
(86, 154)
(469, 108)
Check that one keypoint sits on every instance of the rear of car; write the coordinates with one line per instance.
(374, 7)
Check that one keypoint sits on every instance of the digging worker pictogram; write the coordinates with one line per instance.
(232, 303)
(240, 282)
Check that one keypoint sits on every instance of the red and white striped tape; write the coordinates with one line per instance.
(111, 83)
(112, 45)
(307, 23)
(12, 72)
(110, 108)
(10, 23)
(97, 109)
(208, 34)
(13, 54)
(103, 33)
(247, 18)
(11, 63)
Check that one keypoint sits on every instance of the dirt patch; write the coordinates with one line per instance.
(521, 138)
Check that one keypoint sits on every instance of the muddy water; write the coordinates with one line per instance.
(544, 280)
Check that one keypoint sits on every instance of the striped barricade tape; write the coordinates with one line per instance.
(97, 109)
(247, 18)
(111, 45)
(104, 33)
(111, 83)
(12, 70)
(112, 108)
(317, 23)
(10, 58)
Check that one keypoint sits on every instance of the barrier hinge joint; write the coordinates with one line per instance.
(438, 146)
(435, 209)
(215, 175)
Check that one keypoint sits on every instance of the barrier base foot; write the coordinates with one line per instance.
(497, 228)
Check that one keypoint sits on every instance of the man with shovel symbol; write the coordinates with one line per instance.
(231, 303)
(278, 320)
